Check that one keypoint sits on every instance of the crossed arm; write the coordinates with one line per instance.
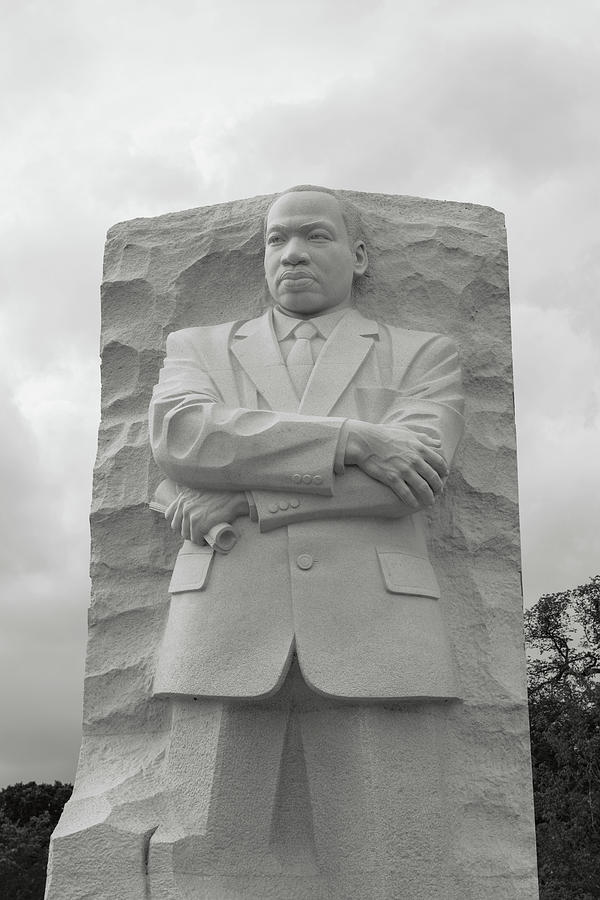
(406, 472)
(229, 462)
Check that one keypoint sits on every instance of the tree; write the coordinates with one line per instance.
(563, 636)
(28, 815)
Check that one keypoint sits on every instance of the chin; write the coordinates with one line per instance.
(306, 306)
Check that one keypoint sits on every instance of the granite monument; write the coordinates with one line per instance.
(331, 704)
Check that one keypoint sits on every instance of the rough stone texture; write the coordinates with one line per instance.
(435, 266)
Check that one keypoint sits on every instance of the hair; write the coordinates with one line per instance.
(349, 211)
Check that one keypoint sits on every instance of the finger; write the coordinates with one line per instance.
(426, 438)
(420, 489)
(176, 520)
(396, 481)
(198, 527)
(403, 492)
(391, 479)
(185, 528)
(436, 461)
(430, 475)
(170, 510)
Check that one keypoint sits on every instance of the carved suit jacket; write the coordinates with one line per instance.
(336, 566)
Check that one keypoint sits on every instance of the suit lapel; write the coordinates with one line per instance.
(338, 362)
(256, 349)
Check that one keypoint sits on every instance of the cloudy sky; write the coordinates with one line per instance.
(112, 109)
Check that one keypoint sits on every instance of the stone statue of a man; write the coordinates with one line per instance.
(320, 436)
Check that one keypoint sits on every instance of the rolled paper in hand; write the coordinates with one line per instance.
(221, 537)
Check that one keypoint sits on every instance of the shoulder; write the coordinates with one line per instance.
(198, 335)
(412, 343)
(202, 337)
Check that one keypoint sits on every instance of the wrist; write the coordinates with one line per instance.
(339, 459)
(354, 441)
(241, 506)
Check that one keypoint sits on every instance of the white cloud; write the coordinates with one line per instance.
(111, 111)
(44, 589)
(557, 377)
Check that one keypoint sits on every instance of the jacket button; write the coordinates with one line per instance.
(294, 503)
(307, 479)
(317, 479)
(283, 504)
(273, 507)
(297, 478)
(305, 561)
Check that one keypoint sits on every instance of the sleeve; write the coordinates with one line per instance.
(430, 396)
(199, 441)
(355, 495)
(428, 399)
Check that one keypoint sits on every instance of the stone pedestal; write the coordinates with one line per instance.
(426, 800)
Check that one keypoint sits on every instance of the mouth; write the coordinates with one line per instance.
(296, 276)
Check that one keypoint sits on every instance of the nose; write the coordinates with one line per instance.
(294, 252)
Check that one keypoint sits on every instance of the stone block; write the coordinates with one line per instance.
(451, 782)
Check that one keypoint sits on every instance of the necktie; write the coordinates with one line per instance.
(300, 358)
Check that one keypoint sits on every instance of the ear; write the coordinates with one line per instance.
(361, 259)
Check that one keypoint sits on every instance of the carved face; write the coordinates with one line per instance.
(309, 260)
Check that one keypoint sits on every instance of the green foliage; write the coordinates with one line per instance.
(563, 635)
(28, 815)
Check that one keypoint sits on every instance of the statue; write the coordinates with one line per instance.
(319, 435)
(331, 704)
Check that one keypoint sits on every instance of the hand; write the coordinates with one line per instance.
(409, 463)
(193, 513)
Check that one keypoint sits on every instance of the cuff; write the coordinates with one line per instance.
(340, 450)
(252, 511)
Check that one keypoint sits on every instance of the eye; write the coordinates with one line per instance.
(319, 236)
(274, 239)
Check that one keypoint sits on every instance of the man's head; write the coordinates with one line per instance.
(313, 250)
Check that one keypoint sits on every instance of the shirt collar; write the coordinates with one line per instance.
(284, 323)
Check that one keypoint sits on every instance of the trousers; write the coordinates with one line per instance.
(300, 796)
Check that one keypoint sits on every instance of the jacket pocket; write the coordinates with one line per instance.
(191, 568)
(406, 573)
